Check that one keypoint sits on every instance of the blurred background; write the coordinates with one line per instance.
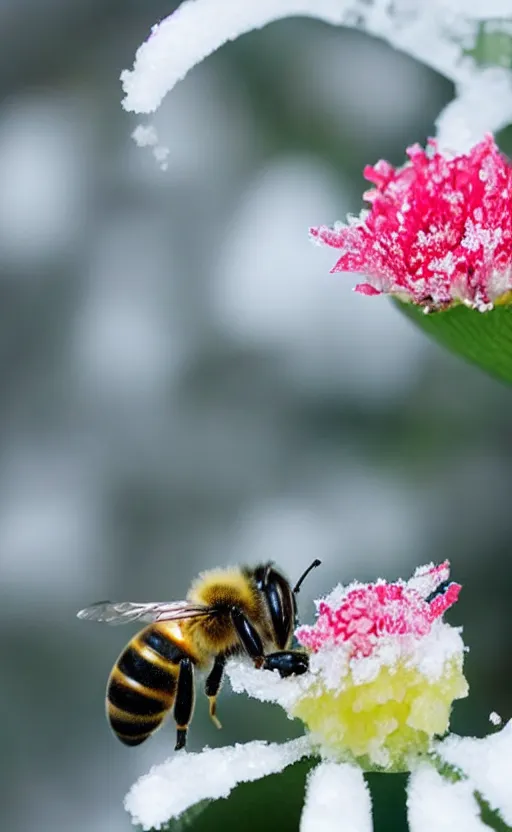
(185, 385)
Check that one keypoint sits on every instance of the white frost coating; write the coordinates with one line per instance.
(483, 104)
(488, 765)
(337, 797)
(433, 32)
(494, 718)
(331, 668)
(481, 9)
(266, 686)
(198, 28)
(186, 779)
(436, 805)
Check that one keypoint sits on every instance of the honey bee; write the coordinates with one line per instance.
(227, 612)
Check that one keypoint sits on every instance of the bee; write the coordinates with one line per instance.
(238, 610)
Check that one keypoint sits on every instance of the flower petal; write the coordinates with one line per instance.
(439, 230)
(487, 763)
(437, 805)
(186, 779)
(337, 797)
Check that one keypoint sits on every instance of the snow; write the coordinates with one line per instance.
(494, 718)
(487, 763)
(266, 686)
(334, 668)
(482, 105)
(187, 779)
(437, 805)
(437, 33)
(337, 797)
(198, 28)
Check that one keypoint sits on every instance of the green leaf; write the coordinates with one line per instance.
(484, 338)
(493, 44)
(490, 816)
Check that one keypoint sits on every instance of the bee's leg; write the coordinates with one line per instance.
(212, 687)
(184, 704)
(249, 636)
(287, 662)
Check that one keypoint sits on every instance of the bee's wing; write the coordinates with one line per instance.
(126, 611)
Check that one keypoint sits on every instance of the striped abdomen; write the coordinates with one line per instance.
(142, 685)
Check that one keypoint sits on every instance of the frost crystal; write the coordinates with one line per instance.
(439, 231)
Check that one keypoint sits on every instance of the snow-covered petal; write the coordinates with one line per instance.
(487, 763)
(337, 797)
(181, 782)
(437, 805)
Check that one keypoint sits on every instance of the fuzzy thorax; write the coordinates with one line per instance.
(223, 589)
(384, 671)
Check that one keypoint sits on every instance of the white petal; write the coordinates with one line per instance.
(337, 798)
(436, 805)
(488, 765)
(174, 786)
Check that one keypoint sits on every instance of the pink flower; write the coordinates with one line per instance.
(439, 230)
(366, 613)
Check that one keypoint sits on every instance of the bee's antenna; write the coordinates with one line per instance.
(296, 588)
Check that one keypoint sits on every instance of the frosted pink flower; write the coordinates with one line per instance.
(439, 230)
(365, 613)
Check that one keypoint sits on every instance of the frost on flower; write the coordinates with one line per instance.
(337, 797)
(439, 230)
(384, 671)
(438, 804)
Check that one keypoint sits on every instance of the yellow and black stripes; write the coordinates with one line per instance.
(143, 684)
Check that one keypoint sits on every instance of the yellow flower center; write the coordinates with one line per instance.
(383, 723)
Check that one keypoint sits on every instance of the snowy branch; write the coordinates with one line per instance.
(438, 33)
